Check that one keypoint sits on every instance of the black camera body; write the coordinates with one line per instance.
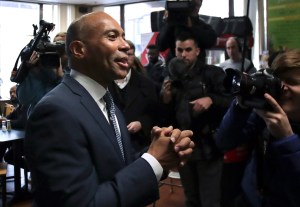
(50, 53)
(251, 88)
(178, 11)
(51, 47)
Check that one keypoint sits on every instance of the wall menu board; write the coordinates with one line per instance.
(284, 24)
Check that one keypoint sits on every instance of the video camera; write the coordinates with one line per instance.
(178, 12)
(252, 87)
(49, 53)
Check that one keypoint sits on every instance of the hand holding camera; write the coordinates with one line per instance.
(276, 120)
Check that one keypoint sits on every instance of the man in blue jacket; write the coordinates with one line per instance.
(272, 178)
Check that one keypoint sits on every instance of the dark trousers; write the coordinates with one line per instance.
(241, 201)
(232, 175)
(201, 181)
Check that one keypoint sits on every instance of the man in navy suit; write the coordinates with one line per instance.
(72, 150)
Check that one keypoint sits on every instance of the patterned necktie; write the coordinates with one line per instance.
(110, 106)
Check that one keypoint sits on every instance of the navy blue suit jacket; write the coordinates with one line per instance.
(74, 156)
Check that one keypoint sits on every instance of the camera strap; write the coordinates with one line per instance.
(16, 73)
(249, 67)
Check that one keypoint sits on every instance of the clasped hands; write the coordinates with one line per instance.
(171, 147)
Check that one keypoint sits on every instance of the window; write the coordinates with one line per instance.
(15, 32)
(138, 22)
(114, 11)
(21, 28)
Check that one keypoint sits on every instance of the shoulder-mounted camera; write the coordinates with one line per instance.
(49, 52)
(178, 11)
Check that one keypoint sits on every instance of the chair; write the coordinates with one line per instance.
(172, 175)
(3, 172)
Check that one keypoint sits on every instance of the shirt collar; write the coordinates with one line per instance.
(121, 83)
(96, 90)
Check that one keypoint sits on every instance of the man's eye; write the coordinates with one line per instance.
(112, 36)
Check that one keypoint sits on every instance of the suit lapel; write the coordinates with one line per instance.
(92, 107)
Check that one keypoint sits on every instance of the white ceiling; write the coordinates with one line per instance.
(85, 2)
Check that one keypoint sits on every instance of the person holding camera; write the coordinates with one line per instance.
(45, 72)
(271, 178)
(235, 160)
(178, 21)
(193, 93)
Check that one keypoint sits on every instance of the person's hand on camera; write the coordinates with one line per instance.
(31, 63)
(201, 104)
(171, 147)
(240, 102)
(59, 71)
(134, 127)
(276, 120)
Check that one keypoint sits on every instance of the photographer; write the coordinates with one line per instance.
(206, 36)
(235, 160)
(271, 179)
(193, 93)
(45, 72)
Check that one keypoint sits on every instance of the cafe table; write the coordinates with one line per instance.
(15, 137)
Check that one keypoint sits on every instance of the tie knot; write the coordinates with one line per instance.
(109, 102)
(108, 98)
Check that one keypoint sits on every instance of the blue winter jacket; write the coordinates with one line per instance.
(281, 163)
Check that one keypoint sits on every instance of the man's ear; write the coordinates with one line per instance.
(77, 49)
(198, 51)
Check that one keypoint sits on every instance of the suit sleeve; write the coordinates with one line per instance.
(70, 169)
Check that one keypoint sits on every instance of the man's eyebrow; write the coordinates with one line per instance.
(111, 30)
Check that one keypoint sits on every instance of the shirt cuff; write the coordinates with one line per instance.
(155, 165)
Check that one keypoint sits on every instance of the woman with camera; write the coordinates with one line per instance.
(272, 177)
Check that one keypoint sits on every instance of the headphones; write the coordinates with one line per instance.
(238, 44)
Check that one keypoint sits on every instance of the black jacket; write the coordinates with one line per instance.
(138, 102)
(200, 81)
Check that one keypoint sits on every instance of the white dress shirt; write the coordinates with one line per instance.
(121, 83)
